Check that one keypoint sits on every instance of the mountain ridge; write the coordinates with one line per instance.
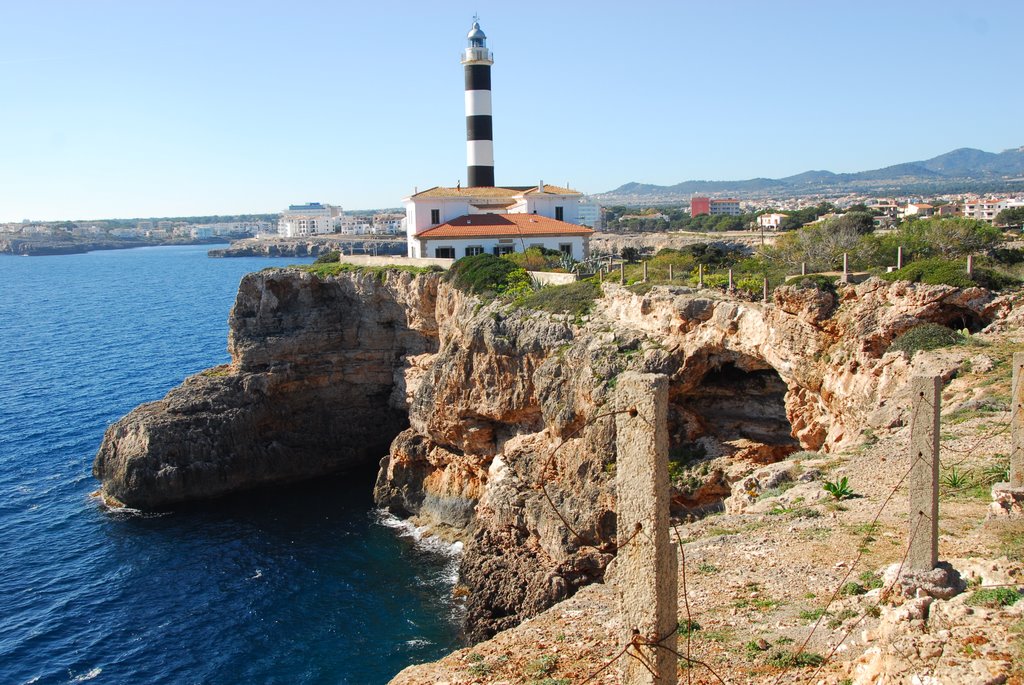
(961, 169)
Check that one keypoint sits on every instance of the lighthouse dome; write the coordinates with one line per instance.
(476, 34)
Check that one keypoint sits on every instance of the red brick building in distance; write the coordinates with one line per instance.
(706, 205)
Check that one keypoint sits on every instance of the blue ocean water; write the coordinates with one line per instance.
(306, 584)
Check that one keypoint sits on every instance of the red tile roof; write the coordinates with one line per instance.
(503, 225)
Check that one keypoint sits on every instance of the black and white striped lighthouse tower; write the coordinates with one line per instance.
(479, 132)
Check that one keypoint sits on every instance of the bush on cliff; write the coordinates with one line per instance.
(487, 275)
(941, 271)
(330, 257)
(325, 269)
(813, 282)
(927, 336)
(572, 298)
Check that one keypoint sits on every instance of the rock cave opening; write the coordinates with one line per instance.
(733, 408)
(960, 318)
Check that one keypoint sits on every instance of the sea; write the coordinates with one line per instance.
(301, 584)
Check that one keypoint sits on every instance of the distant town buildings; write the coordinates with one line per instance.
(714, 206)
(589, 214)
(771, 222)
(919, 209)
(308, 219)
(986, 209)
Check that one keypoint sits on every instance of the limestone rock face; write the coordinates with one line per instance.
(309, 391)
(511, 431)
(500, 420)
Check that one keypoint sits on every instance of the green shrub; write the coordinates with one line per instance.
(782, 659)
(572, 298)
(542, 666)
(330, 257)
(852, 589)
(536, 259)
(941, 271)
(485, 274)
(811, 614)
(325, 269)
(994, 597)
(926, 336)
(840, 489)
(687, 628)
(1008, 256)
(870, 579)
(813, 281)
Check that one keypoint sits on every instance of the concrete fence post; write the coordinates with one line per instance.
(600, 274)
(622, 273)
(765, 289)
(846, 268)
(970, 266)
(1008, 498)
(700, 275)
(899, 257)
(1017, 423)
(647, 563)
(645, 270)
(803, 268)
(730, 279)
(670, 272)
(923, 526)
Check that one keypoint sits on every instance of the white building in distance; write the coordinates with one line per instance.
(312, 218)
(771, 222)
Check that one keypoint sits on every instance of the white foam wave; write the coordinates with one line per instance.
(257, 575)
(420, 534)
(417, 642)
(125, 512)
(94, 673)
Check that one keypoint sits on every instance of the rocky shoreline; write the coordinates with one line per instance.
(37, 247)
(474, 399)
(313, 246)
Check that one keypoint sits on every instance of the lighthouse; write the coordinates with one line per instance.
(479, 132)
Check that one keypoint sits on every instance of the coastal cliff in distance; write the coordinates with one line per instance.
(37, 246)
(483, 403)
(313, 246)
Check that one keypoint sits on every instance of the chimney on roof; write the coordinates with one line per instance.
(540, 186)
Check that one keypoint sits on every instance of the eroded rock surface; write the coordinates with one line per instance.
(309, 391)
(501, 419)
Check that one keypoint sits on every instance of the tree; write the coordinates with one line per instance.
(630, 254)
(861, 222)
(1013, 216)
(946, 237)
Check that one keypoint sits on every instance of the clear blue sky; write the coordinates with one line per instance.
(129, 108)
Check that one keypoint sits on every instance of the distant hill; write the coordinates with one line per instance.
(962, 170)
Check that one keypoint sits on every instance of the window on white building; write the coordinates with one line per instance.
(474, 250)
(503, 249)
(559, 213)
(565, 248)
(444, 252)
(435, 216)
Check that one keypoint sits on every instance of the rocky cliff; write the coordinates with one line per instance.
(510, 436)
(308, 391)
(504, 416)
